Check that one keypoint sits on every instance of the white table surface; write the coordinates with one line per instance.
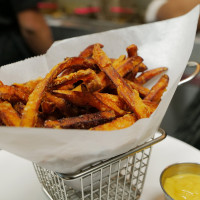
(18, 180)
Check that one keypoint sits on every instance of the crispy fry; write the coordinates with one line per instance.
(8, 115)
(1, 83)
(88, 51)
(119, 123)
(55, 102)
(88, 76)
(12, 94)
(147, 75)
(29, 86)
(141, 89)
(74, 77)
(112, 101)
(152, 105)
(95, 100)
(158, 89)
(29, 116)
(19, 107)
(80, 64)
(128, 65)
(142, 67)
(131, 97)
(48, 107)
(82, 122)
(132, 50)
(118, 61)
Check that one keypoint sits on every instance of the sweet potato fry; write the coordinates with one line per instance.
(1, 83)
(12, 94)
(119, 123)
(83, 121)
(118, 61)
(143, 91)
(8, 115)
(74, 77)
(95, 100)
(122, 66)
(55, 102)
(147, 75)
(29, 86)
(88, 51)
(88, 76)
(19, 107)
(141, 67)
(131, 97)
(47, 107)
(30, 113)
(158, 89)
(152, 105)
(128, 65)
(112, 101)
(80, 64)
(132, 50)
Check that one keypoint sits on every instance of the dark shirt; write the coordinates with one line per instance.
(12, 45)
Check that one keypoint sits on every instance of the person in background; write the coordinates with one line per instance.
(188, 130)
(166, 9)
(23, 31)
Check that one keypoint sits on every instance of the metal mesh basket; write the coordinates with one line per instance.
(121, 177)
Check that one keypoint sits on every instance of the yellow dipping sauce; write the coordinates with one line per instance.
(183, 187)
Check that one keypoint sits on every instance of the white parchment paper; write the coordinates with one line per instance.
(168, 43)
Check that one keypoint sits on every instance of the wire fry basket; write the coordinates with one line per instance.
(121, 177)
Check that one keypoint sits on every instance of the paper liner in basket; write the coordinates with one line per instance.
(168, 43)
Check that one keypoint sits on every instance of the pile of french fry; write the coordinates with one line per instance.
(91, 91)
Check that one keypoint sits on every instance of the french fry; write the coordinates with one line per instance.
(82, 122)
(12, 94)
(88, 76)
(8, 115)
(131, 97)
(151, 105)
(119, 123)
(118, 61)
(30, 114)
(74, 77)
(132, 50)
(141, 89)
(128, 65)
(1, 83)
(19, 107)
(158, 89)
(95, 100)
(55, 103)
(147, 75)
(112, 101)
(29, 86)
(88, 51)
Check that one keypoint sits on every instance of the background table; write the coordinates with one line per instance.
(18, 180)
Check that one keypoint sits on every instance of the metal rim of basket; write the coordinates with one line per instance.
(102, 164)
(195, 73)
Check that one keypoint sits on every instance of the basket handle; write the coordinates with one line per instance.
(190, 77)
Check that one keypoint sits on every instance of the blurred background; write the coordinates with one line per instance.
(68, 18)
